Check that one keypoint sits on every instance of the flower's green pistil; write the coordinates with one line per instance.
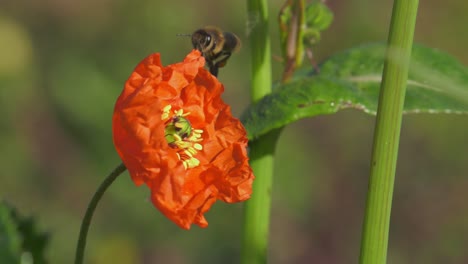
(181, 136)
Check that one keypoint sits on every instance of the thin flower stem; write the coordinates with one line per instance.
(90, 210)
(387, 133)
(257, 209)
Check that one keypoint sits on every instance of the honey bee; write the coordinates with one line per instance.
(216, 46)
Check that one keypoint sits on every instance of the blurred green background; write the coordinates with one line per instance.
(63, 64)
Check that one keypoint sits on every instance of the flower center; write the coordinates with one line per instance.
(181, 136)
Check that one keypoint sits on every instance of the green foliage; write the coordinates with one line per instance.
(437, 83)
(318, 18)
(20, 238)
(300, 27)
(10, 240)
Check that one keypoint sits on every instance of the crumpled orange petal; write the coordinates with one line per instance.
(222, 171)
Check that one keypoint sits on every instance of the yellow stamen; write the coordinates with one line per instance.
(186, 144)
(166, 112)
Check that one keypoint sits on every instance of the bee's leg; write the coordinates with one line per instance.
(222, 62)
(212, 67)
(214, 70)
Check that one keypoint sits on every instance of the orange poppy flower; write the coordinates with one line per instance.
(175, 134)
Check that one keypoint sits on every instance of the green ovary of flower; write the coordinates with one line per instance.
(179, 128)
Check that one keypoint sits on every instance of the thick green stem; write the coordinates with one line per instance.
(260, 50)
(387, 133)
(257, 209)
(90, 210)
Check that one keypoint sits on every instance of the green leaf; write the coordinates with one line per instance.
(318, 15)
(19, 238)
(10, 240)
(34, 240)
(437, 83)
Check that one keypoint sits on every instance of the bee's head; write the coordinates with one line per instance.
(201, 40)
